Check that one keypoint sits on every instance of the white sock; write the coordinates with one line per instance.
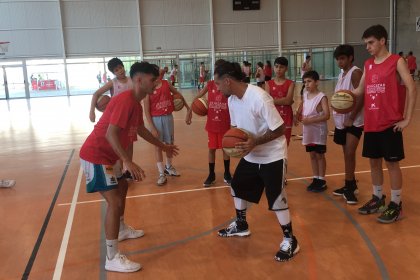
(161, 167)
(168, 162)
(315, 177)
(377, 191)
(396, 196)
(122, 224)
(321, 178)
(111, 248)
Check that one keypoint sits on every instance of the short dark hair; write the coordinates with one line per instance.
(269, 63)
(346, 50)
(232, 69)
(377, 31)
(401, 53)
(144, 67)
(260, 64)
(308, 57)
(410, 53)
(311, 75)
(113, 63)
(281, 61)
(219, 62)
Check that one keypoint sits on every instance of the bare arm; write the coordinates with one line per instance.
(268, 136)
(355, 80)
(360, 90)
(112, 135)
(95, 98)
(288, 99)
(144, 133)
(203, 91)
(175, 91)
(411, 96)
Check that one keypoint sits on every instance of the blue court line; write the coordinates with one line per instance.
(46, 221)
(380, 264)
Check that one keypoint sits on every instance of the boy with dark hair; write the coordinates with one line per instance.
(218, 122)
(315, 114)
(282, 89)
(106, 147)
(387, 114)
(264, 155)
(348, 127)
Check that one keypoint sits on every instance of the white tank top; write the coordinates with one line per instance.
(344, 82)
(118, 87)
(314, 133)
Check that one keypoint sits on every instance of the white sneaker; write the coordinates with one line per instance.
(120, 263)
(161, 180)
(130, 233)
(7, 183)
(171, 171)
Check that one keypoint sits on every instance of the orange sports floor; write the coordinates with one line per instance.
(40, 141)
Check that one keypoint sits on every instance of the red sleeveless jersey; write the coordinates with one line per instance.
(218, 118)
(280, 91)
(384, 95)
(161, 101)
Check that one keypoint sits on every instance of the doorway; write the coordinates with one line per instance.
(12, 82)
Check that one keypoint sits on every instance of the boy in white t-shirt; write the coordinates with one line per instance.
(264, 155)
(315, 114)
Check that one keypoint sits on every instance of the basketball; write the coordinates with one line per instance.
(200, 106)
(343, 101)
(102, 102)
(178, 102)
(231, 138)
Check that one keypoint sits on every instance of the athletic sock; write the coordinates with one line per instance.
(168, 162)
(377, 191)
(241, 215)
(287, 230)
(161, 167)
(227, 166)
(396, 196)
(211, 167)
(111, 248)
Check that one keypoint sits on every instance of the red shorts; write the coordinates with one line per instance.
(215, 140)
(201, 79)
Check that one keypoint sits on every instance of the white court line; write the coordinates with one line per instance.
(223, 187)
(66, 236)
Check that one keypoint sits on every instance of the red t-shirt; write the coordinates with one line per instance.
(411, 62)
(384, 95)
(280, 91)
(218, 118)
(123, 111)
(268, 71)
(161, 101)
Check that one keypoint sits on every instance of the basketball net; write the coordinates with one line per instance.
(4, 48)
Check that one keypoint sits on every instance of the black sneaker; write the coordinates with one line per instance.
(288, 249)
(210, 180)
(311, 185)
(391, 214)
(349, 195)
(319, 186)
(237, 228)
(227, 178)
(374, 205)
(340, 191)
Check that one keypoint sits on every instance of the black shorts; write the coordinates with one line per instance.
(319, 149)
(385, 144)
(267, 78)
(260, 83)
(249, 181)
(341, 134)
(246, 80)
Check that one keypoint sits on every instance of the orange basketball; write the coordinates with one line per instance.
(343, 101)
(231, 138)
(102, 102)
(178, 102)
(200, 106)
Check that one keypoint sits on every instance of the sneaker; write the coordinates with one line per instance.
(161, 180)
(7, 183)
(340, 191)
(237, 228)
(374, 205)
(130, 233)
(288, 249)
(127, 175)
(210, 180)
(349, 195)
(120, 263)
(311, 185)
(171, 171)
(391, 214)
(227, 178)
(319, 186)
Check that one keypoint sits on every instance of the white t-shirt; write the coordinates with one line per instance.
(255, 112)
(314, 133)
(118, 87)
